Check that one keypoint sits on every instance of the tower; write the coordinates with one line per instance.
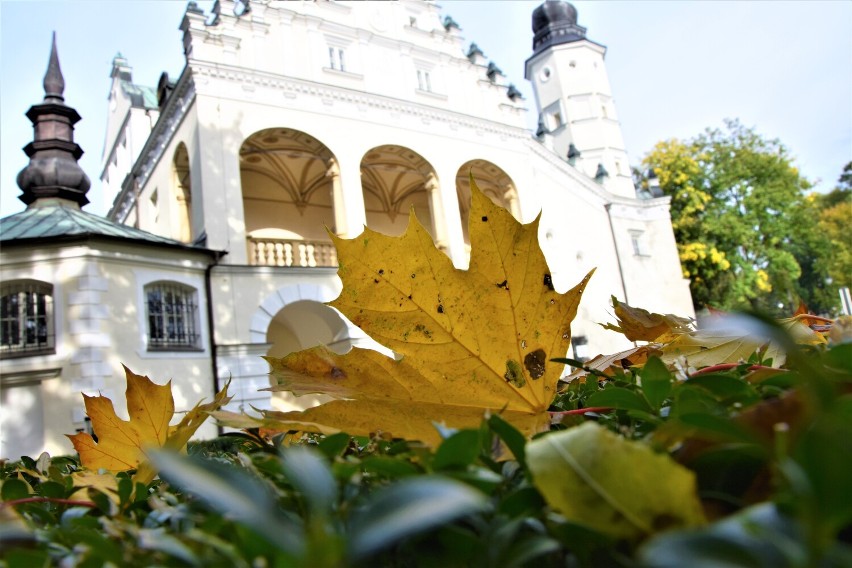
(574, 97)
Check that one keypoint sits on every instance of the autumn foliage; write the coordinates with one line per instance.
(474, 446)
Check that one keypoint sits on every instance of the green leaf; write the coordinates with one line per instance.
(483, 479)
(656, 382)
(613, 485)
(14, 489)
(511, 436)
(388, 467)
(526, 549)
(52, 489)
(409, 507)
(757, 536)
(717, 427)
(524, 501)
(726, 388)
(620, 398)
(334, 445)
(459, 450)
(157, 539)
(234, 493)
(311, 476)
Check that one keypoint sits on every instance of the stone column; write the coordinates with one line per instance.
(333, 173)
(450, 217)
(439, 218)
(351, 199)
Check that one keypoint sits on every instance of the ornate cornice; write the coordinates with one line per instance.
(294, 87)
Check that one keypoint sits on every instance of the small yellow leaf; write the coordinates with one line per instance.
(106, 483)
(619, 487)
(638, 324)
(472, 342)
(704, 348)
(121, 443)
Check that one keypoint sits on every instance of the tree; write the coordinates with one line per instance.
(834, 265)
(742, 219)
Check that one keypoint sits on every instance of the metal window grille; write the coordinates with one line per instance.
(26, 319)
(172, 313)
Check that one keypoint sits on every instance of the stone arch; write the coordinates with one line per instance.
(295, 318)
(182, 194)
(394, 179)
(493, 181)
(290, 187)
(284, 296)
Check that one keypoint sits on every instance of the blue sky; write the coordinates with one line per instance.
(676, 68)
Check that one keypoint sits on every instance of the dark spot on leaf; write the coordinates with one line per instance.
(548, 281)
(422, 329)
(514, 374)
(409, 296)
(534, 363)
(413, 275)
(381, 270)
(504, 284)
(485, 218)
(337, 373)
(440, 309)
(375, 280)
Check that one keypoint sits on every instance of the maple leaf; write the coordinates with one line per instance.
(638, 324)
(121, 444)
(471, 342)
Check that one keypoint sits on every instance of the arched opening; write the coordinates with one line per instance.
(301, 325)
(182, 195)
(394, 179)
(493, 182)
(288, 183)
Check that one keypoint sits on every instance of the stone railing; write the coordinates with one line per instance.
(280, 252)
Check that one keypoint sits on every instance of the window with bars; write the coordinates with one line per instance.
(26, 318)
(424, 80)
(337, 58)
(172, 311)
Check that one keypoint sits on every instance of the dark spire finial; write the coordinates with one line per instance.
(54, 83)
(53, 176)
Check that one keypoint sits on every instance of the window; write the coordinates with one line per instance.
(553, 116)
(26, 318)
(638, 241)
(337, 58)
(172, 311)
(580, 347)
(424, 81)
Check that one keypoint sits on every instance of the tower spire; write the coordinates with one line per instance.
(53, 176)
(54, 82)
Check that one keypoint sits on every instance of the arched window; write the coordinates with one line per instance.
(172, 312)
(26, 318)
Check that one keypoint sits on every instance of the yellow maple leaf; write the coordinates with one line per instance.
(471, 342)
(638, 324)
(121, 444)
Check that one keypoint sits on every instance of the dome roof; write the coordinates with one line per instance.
(553, 12)
(553, 23)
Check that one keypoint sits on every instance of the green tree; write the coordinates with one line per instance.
(742, 219)
(832, 260)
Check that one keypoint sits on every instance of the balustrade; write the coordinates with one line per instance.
(280, 252)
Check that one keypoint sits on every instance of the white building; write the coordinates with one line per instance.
(294, 116)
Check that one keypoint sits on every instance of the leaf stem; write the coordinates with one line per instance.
(15, 502)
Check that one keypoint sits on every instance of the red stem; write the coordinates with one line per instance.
(582, 411)
(729, 366)
(14, 502)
